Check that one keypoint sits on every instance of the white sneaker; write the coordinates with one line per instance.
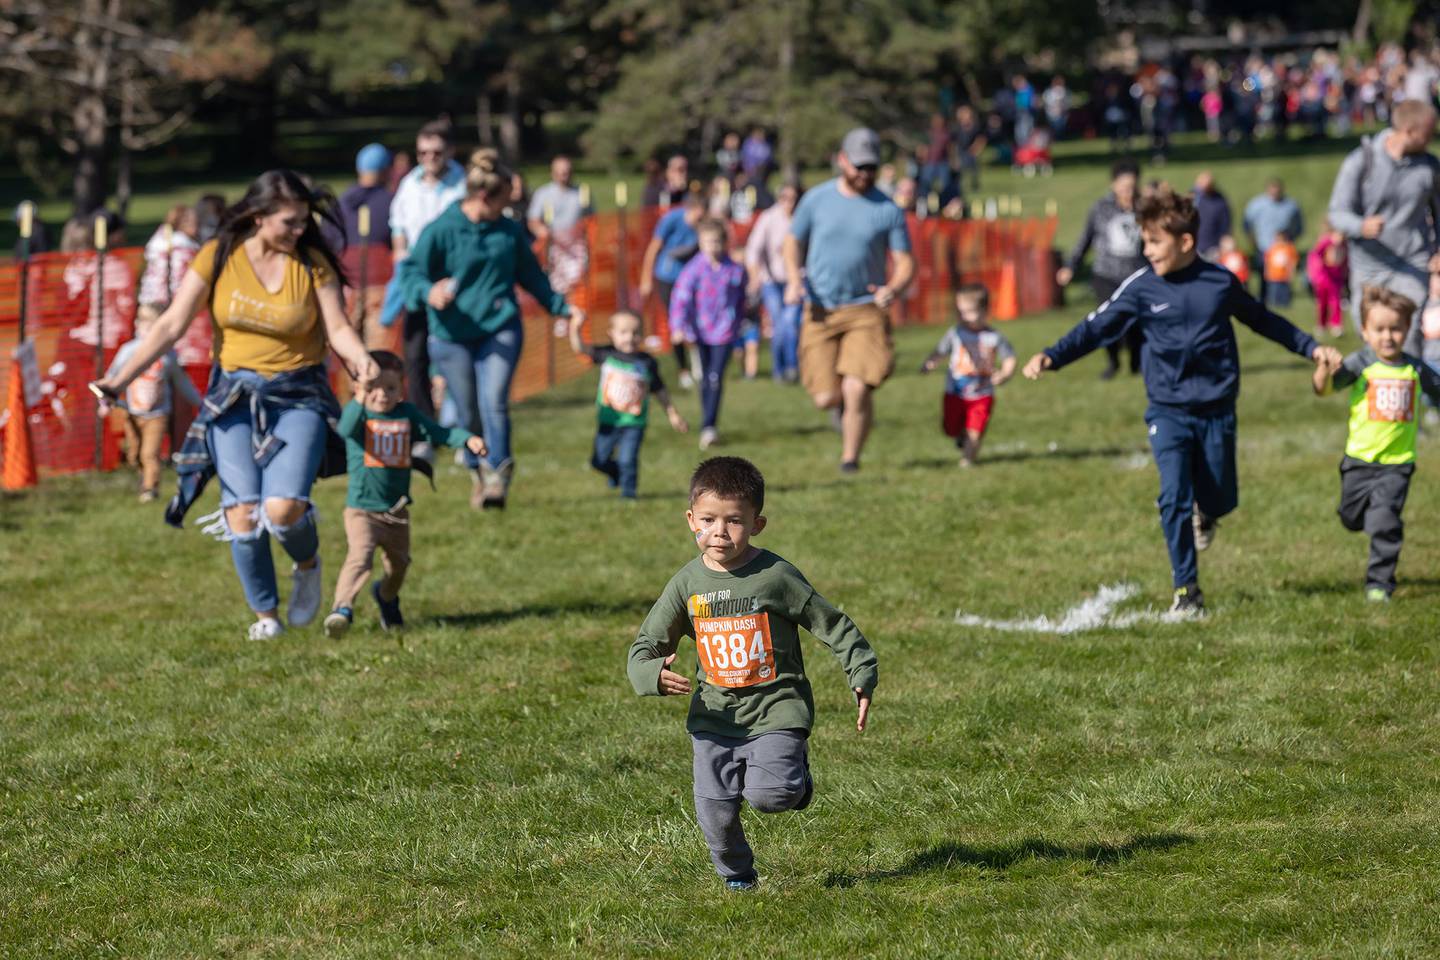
(266, 628)
(708, 438)
(686, 381)
(423, 450)
(304, 594)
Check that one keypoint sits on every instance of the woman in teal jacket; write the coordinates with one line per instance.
(463, 270)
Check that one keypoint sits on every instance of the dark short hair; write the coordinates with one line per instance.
(388, 362)
(438, 128)
(732, 478)
(1170, 211)
(977, 290)
(1121, 167)
(1373, 297)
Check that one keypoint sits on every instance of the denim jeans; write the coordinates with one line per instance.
(617, 455)
(288, 476)
(713, 358)
(784, 328)
(477, 375)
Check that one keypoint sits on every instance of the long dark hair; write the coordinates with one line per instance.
(268, 193)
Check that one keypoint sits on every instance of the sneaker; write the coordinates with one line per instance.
(305, 593)
(390, 616)
(424, 450)
(495, 484)
(709, 437)
(1377, 595)
(686, 381)
(266, 628)
(742, 884)
(850, 466)
(148, 496)
(338, 622)
(1204, 528)
(477, 489)
(1189, 602)
(1109, 372)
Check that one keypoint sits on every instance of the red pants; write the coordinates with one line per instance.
(961, 415)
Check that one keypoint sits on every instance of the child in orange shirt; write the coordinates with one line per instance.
(1280, 262)
(1232, 259)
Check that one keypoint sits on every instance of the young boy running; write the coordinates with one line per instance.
(973, 349)
(751, 710)
(1380, 453)
(1183, 306)
(379, 429)
(628, 375)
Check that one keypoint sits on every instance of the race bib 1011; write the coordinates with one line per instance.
(735, 651)
(387, 443)
(1391, 400)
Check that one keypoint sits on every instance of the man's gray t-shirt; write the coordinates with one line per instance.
(556, 206)
(1404, 193)
(846, 240)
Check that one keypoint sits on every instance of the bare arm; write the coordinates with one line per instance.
(1007, 370)
(904, 271)
(398, 246)
(168, 329)
(342, 336)
(794, 285)
(647, 267)
(576, 343)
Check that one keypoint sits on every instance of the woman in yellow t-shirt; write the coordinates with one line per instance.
(273, 289)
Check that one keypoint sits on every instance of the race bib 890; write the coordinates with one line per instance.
(1391, 400)
(735, 651)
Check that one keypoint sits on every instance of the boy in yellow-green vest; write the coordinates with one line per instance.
(1385, 383)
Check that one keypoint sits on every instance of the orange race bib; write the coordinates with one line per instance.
(1391, 400)
(622, 390)
(144, 393)
(735, 651)
(387, 443)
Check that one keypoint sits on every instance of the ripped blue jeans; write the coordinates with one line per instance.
(288, 476)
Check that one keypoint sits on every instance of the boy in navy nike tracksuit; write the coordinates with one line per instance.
(1183, 305)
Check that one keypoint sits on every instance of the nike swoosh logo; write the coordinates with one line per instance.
(1158, 307)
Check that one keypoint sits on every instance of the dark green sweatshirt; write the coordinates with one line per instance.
(750, 673)
(486, 260)
(377, 451)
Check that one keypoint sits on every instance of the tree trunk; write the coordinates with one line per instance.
(90, 119)
(785, 148)
(1361, 32)
(510, 122)
(484, 118)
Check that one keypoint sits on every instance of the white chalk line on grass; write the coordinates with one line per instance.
(1092, 613)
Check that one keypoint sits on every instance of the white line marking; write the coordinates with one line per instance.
(1092, 613)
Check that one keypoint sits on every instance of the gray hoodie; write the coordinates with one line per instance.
(1403, 193)
(1115, 234)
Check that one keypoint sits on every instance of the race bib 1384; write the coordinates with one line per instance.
(735, 651)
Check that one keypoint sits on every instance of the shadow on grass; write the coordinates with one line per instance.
(1409, 586)
(946, 856)
(636, 607)
(1022, 456)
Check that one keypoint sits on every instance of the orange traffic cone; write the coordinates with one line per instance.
(19, 471)
(1007, 305)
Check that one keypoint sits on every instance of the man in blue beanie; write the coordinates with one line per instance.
(372, 165)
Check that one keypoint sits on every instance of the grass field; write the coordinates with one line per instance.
(1259, 784)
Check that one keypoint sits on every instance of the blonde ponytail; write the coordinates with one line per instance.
(486, 175)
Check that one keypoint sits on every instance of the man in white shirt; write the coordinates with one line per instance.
(554, 219)
(436, 182)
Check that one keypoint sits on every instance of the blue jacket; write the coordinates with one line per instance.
(1190, 358)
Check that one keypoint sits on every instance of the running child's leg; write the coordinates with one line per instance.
(1216, 483)
(1173, 443)
(393, 537)
(777, 771)
(603, 456)
(627, 459)
(713, 360)
(1389, 486)
(719, 779)
(977, 420)
(360, 543)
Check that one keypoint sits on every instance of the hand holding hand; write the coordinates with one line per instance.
(1327, 358)
(1037, 365)
(672, 683)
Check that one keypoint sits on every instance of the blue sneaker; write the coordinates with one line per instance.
(742, 884)
(338, 622)
(390, 616)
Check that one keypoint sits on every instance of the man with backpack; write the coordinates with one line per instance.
(1384, 201)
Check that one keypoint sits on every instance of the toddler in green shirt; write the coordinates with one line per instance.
(1385, 383)
(379, 430)
(751, 708)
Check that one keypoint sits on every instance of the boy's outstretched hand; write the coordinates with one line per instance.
(1327, 357)
(673, 684)
(864, 710)
(1037, 365)
(476, 445)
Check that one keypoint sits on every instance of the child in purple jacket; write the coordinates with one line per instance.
(707, 308)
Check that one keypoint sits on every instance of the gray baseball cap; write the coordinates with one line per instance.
(861, 146)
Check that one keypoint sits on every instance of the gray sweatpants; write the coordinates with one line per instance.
(772, 771)
(1372, 496)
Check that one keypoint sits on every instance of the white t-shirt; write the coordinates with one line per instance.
(418, 202)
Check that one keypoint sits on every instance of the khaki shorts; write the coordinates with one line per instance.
(851, 341)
